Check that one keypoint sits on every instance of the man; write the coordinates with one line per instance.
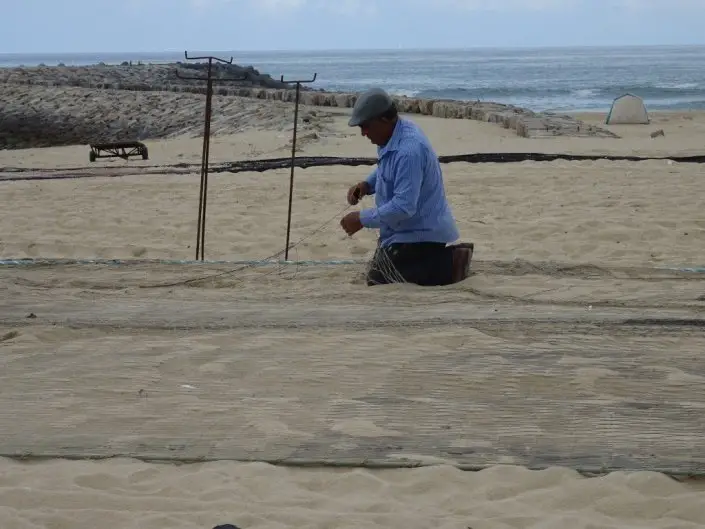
(412, 214)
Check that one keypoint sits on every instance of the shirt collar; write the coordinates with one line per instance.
(393, 143)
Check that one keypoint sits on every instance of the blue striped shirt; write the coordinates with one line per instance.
(410, 200)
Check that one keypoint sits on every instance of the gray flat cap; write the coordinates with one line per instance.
(371, 104)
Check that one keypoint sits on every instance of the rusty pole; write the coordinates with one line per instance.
(203, 192)
(298, 83)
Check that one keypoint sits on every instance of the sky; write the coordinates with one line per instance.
(69, 26)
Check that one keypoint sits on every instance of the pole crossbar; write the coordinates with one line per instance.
(297, 83)
(203, 192)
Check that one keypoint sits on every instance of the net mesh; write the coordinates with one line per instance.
(385, 380)
(529, 363)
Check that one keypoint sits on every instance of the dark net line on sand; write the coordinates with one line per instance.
(303, 162)
(368, 463)
(318, 161)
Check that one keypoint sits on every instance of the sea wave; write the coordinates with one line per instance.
(689, 95)
(690, 90)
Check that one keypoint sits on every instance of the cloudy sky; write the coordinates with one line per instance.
(40, 26)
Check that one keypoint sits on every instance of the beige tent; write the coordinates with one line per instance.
(628, 110)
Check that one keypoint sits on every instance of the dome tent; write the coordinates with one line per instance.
(628, 110)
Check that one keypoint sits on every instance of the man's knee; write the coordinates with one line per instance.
(462, 257)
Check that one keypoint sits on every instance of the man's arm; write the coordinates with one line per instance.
(408, 174)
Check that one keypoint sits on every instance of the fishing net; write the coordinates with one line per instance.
(301, 363)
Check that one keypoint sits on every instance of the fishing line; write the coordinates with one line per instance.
(253, 264)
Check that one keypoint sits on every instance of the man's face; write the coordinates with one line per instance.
(377, 130)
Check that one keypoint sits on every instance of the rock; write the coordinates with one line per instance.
(658, 133)
(35, 116)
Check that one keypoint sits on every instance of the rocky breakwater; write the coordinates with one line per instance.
(43, 116)
(138, 77)
(164, 78)
(524, 122)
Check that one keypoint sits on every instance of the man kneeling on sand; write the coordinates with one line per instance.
(412, 214)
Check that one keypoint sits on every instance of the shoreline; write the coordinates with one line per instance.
(657, 112)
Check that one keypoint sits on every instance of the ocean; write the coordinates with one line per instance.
(542, 79)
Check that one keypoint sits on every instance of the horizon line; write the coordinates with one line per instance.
(352, 50)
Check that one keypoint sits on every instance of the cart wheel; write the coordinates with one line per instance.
(91, 156)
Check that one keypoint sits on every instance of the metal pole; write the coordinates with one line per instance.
(205, 154)
(201, 190)
(293, 158)
(291, 178)
(207, 149)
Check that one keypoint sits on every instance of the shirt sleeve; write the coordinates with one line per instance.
(407, 174)
(372, 181)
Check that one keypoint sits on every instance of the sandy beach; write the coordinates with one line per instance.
(133, 494)
(575, 344)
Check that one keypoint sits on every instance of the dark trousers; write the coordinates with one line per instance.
(421, 263)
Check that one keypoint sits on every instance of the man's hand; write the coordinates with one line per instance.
(351, 223)
(356, 192)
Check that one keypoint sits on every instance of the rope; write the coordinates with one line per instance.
(675, 473)
(49, 261)
(383, 264)
(176, 262)
(693, 270)
(319, 161)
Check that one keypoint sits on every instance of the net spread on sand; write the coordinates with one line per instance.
(297, 364)
(528, 363)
